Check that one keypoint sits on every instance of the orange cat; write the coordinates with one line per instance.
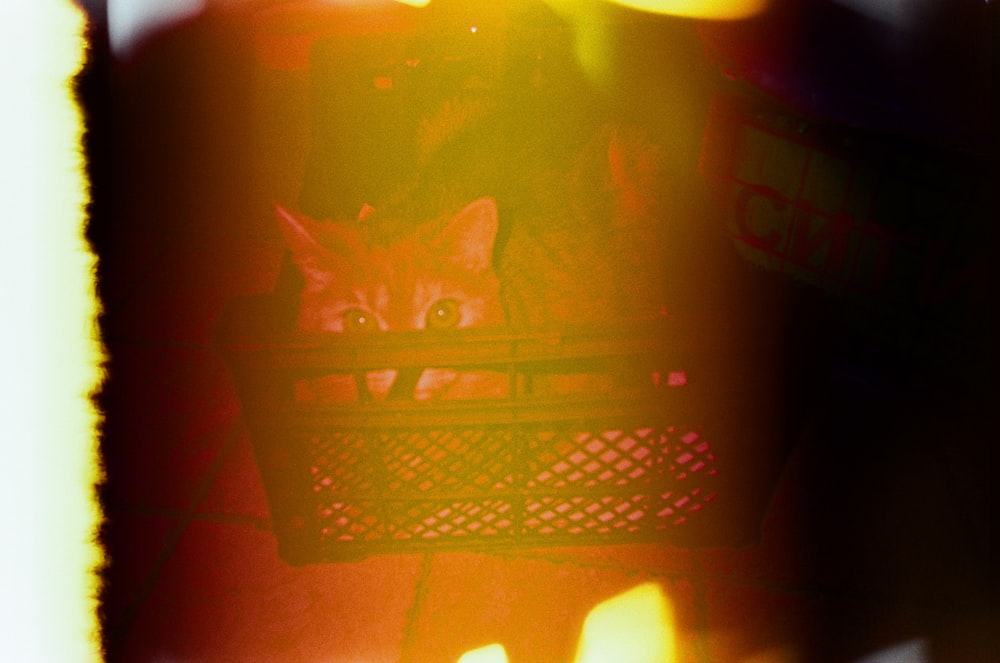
(429, 279)
(581, 247)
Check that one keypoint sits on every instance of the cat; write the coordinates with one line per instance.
(433, 279)
(578, 242)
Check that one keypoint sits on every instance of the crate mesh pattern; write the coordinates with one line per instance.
(519, 482)
(689, 459)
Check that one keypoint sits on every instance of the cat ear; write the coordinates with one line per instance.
(312, 258)
(366, 211)
(468, 238)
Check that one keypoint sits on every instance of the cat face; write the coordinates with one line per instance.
(422, 281)
(352, 285)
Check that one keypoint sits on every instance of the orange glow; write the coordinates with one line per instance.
(633, 627)
(776, 655)
(489, 654)
(712, 9)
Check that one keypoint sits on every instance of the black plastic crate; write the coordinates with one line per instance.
(682, 443)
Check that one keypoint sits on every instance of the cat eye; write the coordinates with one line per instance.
(444, 314)
(357, 320)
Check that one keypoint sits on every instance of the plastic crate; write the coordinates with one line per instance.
(690, 460)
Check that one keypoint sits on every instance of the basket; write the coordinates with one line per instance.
(681, 443)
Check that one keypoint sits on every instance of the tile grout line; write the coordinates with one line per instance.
(419, 599)
(115, 638)
(262, 524)
(614, 564)
(134, 341)
(113, 309)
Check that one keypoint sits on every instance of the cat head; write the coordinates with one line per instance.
(439, 276)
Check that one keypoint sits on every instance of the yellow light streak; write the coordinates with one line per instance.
(633, 627)
(710, 9)
(48, 350)
(494, 653)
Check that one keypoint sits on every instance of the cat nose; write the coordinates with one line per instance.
(379, 383)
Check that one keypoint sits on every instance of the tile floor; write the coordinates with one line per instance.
(843, 566)
(877, 532)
